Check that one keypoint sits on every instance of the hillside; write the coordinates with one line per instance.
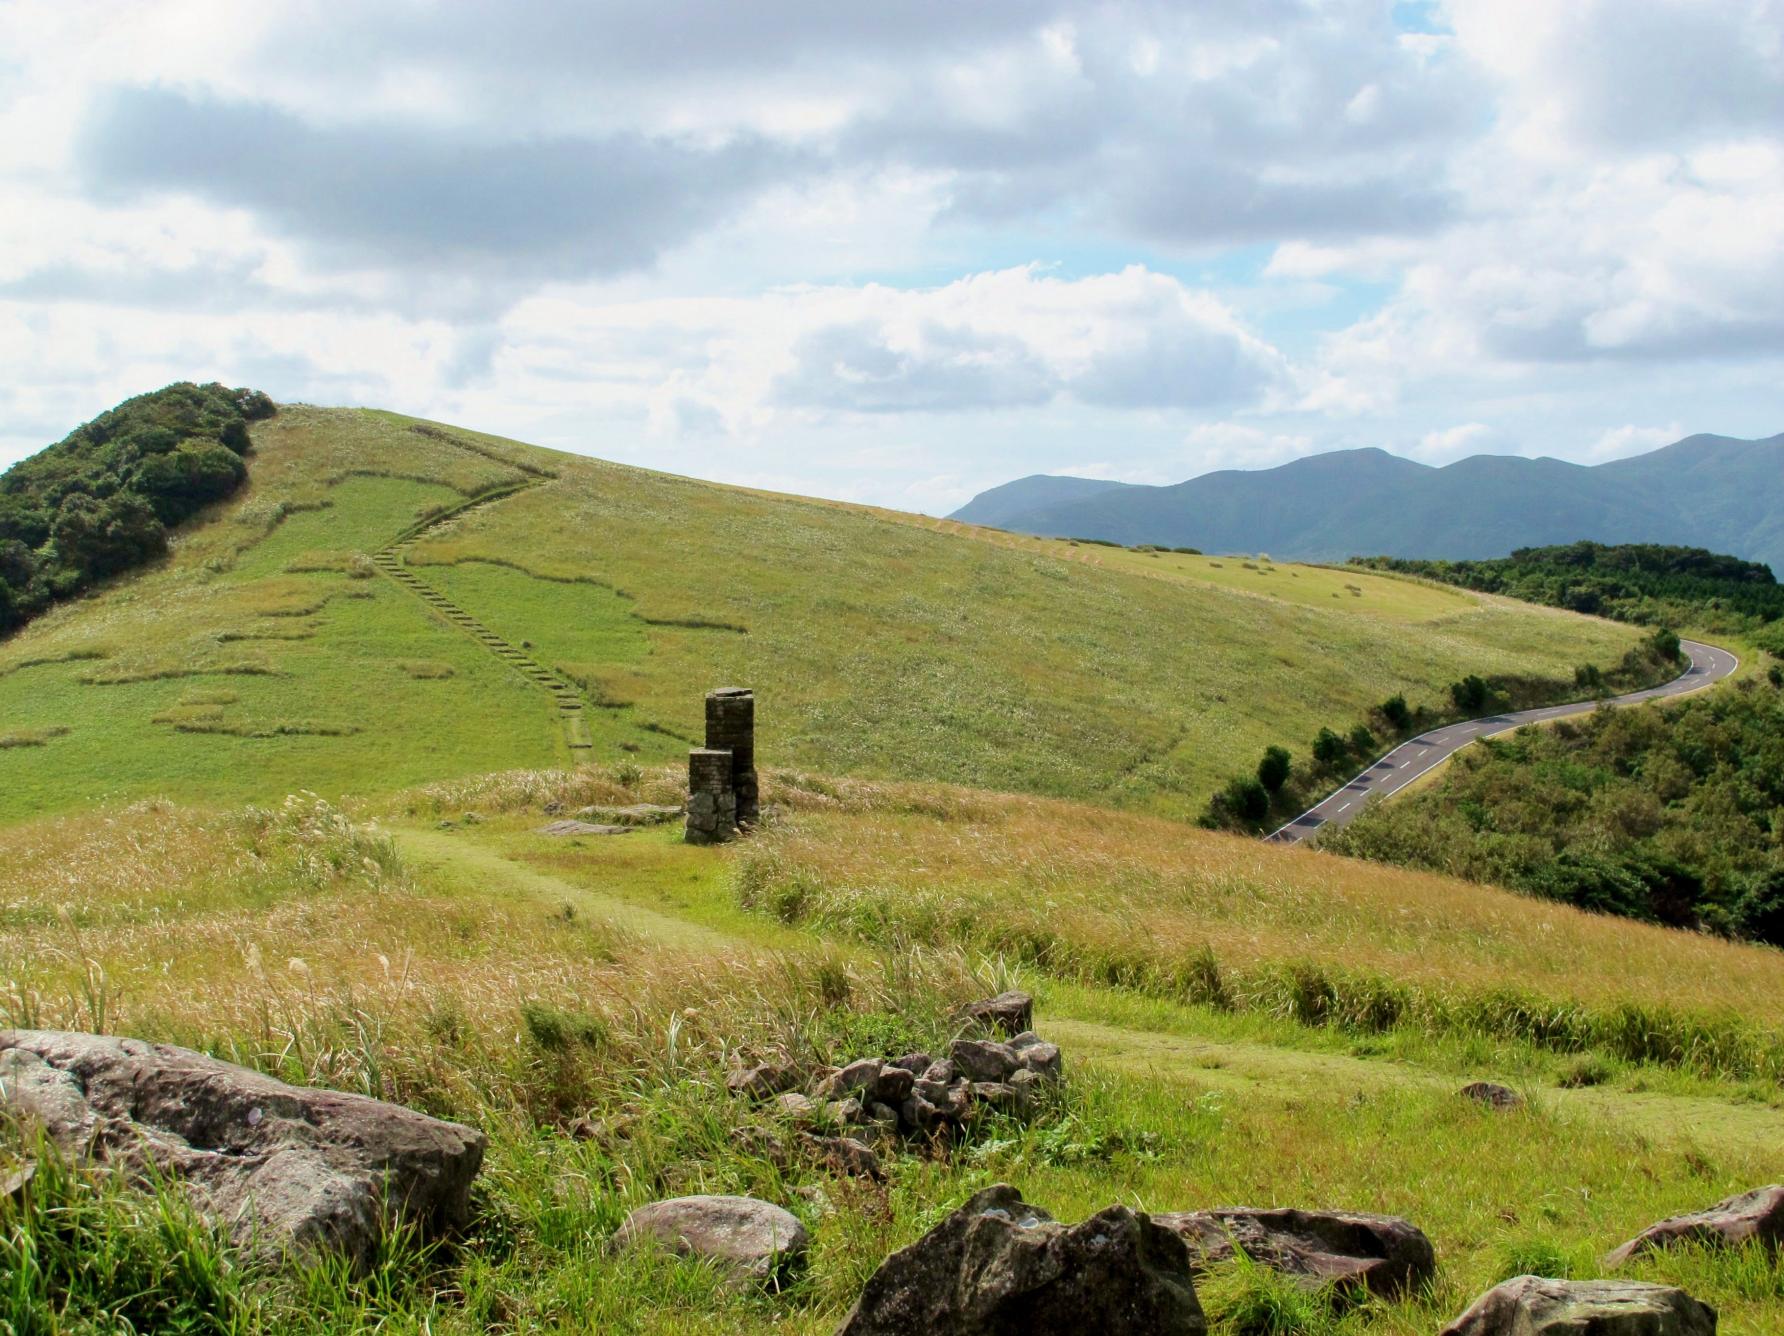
(1704, 491)
(272, 651)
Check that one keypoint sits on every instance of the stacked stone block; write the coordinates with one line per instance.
(712, 802)
(731, 725)
(722, 790)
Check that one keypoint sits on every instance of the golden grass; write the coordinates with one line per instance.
(946, 864)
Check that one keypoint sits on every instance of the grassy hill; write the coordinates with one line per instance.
(272, 651)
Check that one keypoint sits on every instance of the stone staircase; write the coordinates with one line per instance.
(392, 561)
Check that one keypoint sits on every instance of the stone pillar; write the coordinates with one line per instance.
(731, 724)
(712, 802)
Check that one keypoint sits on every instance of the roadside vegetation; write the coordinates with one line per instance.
(581, 1004)
(1284, 785)
(1672, 813)
(102, 500)
(1645, 583)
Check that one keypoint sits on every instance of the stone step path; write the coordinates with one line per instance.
(392, 561)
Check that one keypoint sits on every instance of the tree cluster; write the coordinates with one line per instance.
(1645, 583)
(1673, 814)
(102, 500)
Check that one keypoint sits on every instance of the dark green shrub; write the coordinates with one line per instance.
(1470, 694)
(1246, 799)
(1362, 742)
(1330, 750)
(1272, 771)
(1399, 717)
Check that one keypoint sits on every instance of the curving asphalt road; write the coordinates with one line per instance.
(1409, 760)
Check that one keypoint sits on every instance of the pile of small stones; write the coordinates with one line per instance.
(918, 1094)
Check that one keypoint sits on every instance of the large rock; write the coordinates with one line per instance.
(753, 1239)
(1756, 1216)
(1379, 1253)
(1532, 1306)
(1492, 1095)
(281, 1167)
(1000, 1267)
(1008, 1013)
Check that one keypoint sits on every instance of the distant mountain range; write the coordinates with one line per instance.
(1703, 491)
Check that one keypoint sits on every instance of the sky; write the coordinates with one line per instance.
(898, 253)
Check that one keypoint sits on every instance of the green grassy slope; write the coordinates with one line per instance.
(266, 655)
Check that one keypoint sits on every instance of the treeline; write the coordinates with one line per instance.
(1673, 814)
(102, 500)
(1284, 785)
(1645, 583)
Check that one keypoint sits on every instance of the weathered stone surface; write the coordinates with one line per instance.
(1532, 1306)
(1028, 1085)
(1494, 1096)
(797, 1106)
(845, 1155)
(892, 1085)
(583, 828)
(914, 1063)
(1379, 1253)
(1007, 1013)
(1750, 1217)
(850, 1110)
(942, 1072)
(1000, 1267)
(859, 1075)
(753, 1238)
(999, 1095)
(763, 1081)
(982, 1060)
(282, 1167)
(918, 1114)
(14, 1182)
(1041, 1059)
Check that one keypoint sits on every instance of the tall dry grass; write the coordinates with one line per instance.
(1135, 900)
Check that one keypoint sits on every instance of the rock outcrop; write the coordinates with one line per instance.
(281, 1167)
(1750, 1217)
(999, 1266)
(1378, 1253)
(1008, 1013)
(753, 1239)
(1533, 1306)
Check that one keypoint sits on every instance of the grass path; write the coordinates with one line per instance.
(1281, 1074)
(1289, 1075)
(392, 561)
(459, 857)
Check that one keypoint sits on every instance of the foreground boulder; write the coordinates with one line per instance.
(1751, 1217)
(281, 1167)
(1000, 1267)
(1378, 1253)
(1532, 1306)
(756, 1240)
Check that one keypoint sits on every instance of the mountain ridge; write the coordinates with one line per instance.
(1704, 490)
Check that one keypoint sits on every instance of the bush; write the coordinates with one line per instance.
(1362, 742)
(1470, 694)
(1246, 799)
(1272, 771)
(1399, 717)
(1330, 750)
(1666, 644)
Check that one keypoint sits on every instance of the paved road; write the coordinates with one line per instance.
(1409, 760)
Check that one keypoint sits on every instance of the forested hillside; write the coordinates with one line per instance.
(1673, 814)
(102, 500)
(1644, 583)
